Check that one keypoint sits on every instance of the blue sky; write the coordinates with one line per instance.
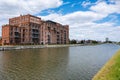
(87, 19)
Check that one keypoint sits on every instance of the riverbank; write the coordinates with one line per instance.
(4, 48)
(110, 70)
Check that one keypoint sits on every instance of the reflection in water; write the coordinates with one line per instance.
(34, 64)
(70, 63)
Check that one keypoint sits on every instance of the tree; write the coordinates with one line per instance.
(73, 41)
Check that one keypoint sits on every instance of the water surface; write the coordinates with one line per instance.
(67, 63)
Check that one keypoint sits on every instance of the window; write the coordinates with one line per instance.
(49, 39)
(4, 41)
(11, 33)
(48, 28)
(11, 28)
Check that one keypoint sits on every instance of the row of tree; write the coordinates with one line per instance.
(73, 41)
(84, 42)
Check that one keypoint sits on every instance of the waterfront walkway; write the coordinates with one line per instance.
(3, 48)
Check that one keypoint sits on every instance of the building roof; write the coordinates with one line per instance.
(49, 21)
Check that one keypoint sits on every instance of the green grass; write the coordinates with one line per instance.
(111, 70)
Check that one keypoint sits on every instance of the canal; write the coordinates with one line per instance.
(67, 63)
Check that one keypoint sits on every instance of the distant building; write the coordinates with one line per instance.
(28, 29)
(107, 40)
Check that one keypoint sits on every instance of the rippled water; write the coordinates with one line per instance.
(69, 63)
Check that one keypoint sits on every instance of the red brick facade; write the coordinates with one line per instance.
(28, 29)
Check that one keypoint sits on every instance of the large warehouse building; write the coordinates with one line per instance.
(29, 29)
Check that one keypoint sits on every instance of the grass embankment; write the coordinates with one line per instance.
(111, 70)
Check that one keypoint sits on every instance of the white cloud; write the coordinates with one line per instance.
(66, 3)
(104, 8)
(86, 3)
(75, 4)
(78, 17)
(83, 26)
(15, 7)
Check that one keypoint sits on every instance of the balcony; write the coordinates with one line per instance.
(35, 31)
(16, 34)
(35, 36)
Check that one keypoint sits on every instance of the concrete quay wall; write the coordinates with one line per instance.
(3, 48)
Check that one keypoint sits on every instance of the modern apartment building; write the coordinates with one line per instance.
(28, 29)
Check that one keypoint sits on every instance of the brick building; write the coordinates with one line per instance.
(28, 29)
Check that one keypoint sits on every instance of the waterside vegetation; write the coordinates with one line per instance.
(111, 70)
